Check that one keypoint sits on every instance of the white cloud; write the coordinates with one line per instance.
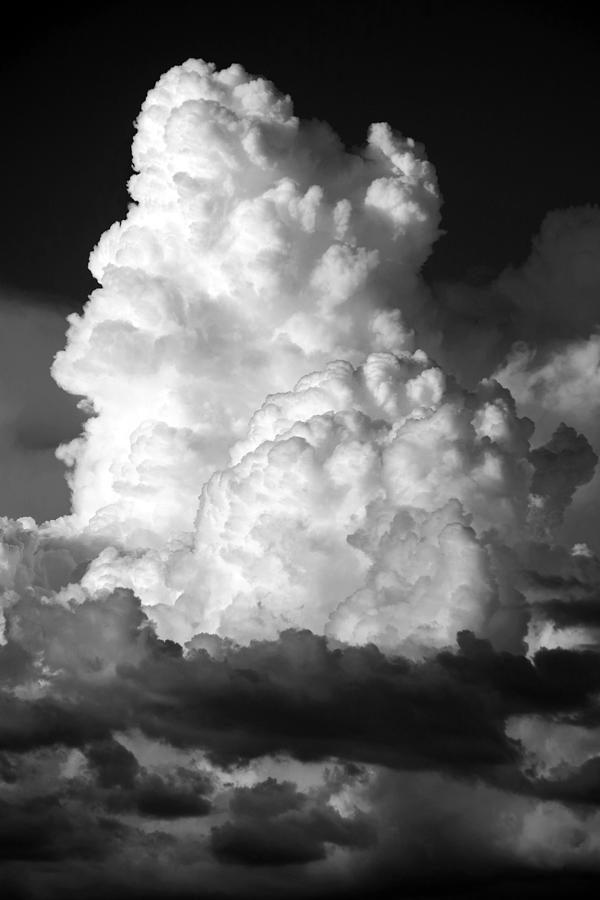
(256, 250)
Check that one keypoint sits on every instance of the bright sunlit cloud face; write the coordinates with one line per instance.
(313, 601)
(256, 251)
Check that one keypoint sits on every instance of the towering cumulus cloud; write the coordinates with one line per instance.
(256, 250)
(313, 621)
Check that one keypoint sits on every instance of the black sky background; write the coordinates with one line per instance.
(503, 95)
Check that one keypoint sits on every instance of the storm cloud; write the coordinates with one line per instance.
(323, 617)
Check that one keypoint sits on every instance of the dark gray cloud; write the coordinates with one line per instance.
(127, 786)
(274, 824)
(35, 415)
(106, 670)
(77, 676)
(563, 464)
(572, 612)
(548, 300)
(293, 695)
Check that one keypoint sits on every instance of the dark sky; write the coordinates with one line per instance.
(503, 95)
